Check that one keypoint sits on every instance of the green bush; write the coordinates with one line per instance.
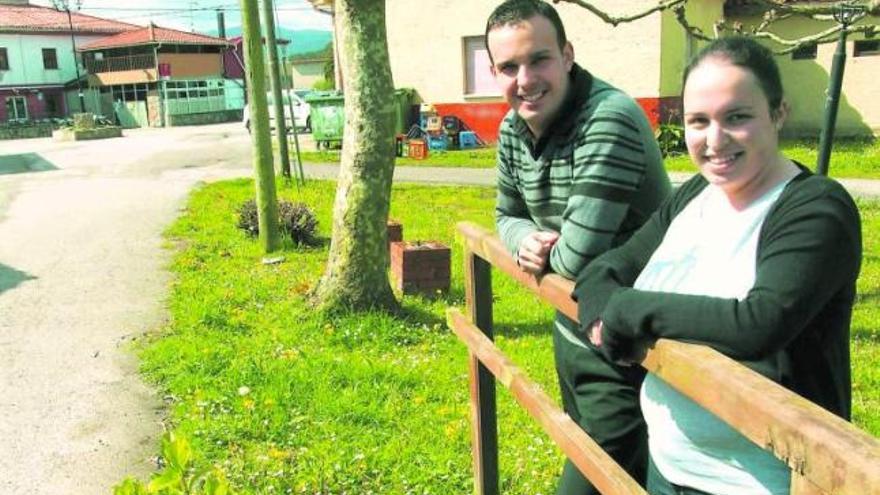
(670, 137)
(296, 220)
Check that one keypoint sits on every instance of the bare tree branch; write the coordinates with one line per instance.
(871, 7)
(827, 36)
(614, 21)
(693, 30)
(773, 11)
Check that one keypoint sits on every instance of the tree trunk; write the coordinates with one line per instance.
(261, 144)
(356, 274)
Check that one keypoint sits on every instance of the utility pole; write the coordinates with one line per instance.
(65, 6)
(280, 124)
(264, 170)
(287, 79)
(193, 4)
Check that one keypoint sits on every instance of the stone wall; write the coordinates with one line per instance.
(204, 118)
(25, 131)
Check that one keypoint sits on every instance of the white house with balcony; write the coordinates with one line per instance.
(40, 75)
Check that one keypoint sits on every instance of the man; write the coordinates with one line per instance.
(578, 172)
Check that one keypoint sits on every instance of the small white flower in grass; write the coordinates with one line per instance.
(244, 390)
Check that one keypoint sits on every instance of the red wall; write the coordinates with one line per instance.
(484, 118)
(36, 108)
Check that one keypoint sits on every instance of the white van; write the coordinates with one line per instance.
(301, 111)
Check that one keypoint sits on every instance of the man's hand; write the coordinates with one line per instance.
(534, 251)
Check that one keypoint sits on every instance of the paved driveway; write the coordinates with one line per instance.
(81, 275)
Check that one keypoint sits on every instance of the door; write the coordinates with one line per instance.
(131, 114)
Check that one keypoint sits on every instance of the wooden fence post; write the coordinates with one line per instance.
(478, 291)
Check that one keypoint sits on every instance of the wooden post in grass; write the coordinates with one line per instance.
(261, 145)
(478, 292)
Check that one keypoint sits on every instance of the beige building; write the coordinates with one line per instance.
(307, 72)
(445, 60)
(806, 75)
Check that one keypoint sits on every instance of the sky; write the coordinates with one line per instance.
(198, 15)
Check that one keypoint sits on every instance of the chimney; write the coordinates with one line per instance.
(221, 25)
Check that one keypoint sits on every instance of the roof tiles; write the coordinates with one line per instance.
(154, 35)
(33, 18)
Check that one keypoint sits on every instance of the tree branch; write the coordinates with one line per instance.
(775, 10)
(614, 21)
(693, 30)
(827, 36)
(871, 6)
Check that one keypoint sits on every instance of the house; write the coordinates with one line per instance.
(154, 76)
(308, 71)
(806, 73)
(233, 59)
(448, 65)
(39, 74)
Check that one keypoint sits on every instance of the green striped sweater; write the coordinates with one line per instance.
(594, 177)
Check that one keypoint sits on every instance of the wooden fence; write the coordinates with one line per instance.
(827, 455)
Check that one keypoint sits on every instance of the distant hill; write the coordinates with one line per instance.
(305, 41)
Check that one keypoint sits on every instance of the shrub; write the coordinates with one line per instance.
(296, 221)
(670, 137)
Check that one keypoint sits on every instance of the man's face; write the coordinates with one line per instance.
(531, 70)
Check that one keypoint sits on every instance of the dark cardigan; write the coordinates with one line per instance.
(792, 327)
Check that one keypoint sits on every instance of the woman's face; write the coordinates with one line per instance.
(731, 134)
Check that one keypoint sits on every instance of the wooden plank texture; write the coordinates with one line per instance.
(584, 452)
(478, 293)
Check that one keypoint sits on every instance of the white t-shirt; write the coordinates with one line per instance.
(709, 249)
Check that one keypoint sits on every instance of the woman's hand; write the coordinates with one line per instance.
(595, 333)
(622, 352)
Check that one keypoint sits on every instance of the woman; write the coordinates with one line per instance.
(755, 257)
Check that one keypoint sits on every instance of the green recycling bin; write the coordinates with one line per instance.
(403, 100)
(328, 117)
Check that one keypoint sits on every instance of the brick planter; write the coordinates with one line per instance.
(395, 232)
(67, 134)
(420, 267)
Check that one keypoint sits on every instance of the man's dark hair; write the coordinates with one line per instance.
(750, 55)
(516, 11)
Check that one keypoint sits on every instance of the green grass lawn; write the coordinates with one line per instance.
(472, 158)
(286, 401)
(850, 158)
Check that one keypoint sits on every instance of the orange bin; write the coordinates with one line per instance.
(418, 149)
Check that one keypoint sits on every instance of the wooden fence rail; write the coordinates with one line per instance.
(827, 455)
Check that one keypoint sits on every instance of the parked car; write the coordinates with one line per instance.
(301, 111)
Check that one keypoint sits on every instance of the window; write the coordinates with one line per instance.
(4, 59)
(806, 52)
(16, 108)
(478, 78)
(50, 59)
(866, 48)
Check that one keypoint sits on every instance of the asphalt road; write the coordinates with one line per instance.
(81, 275)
